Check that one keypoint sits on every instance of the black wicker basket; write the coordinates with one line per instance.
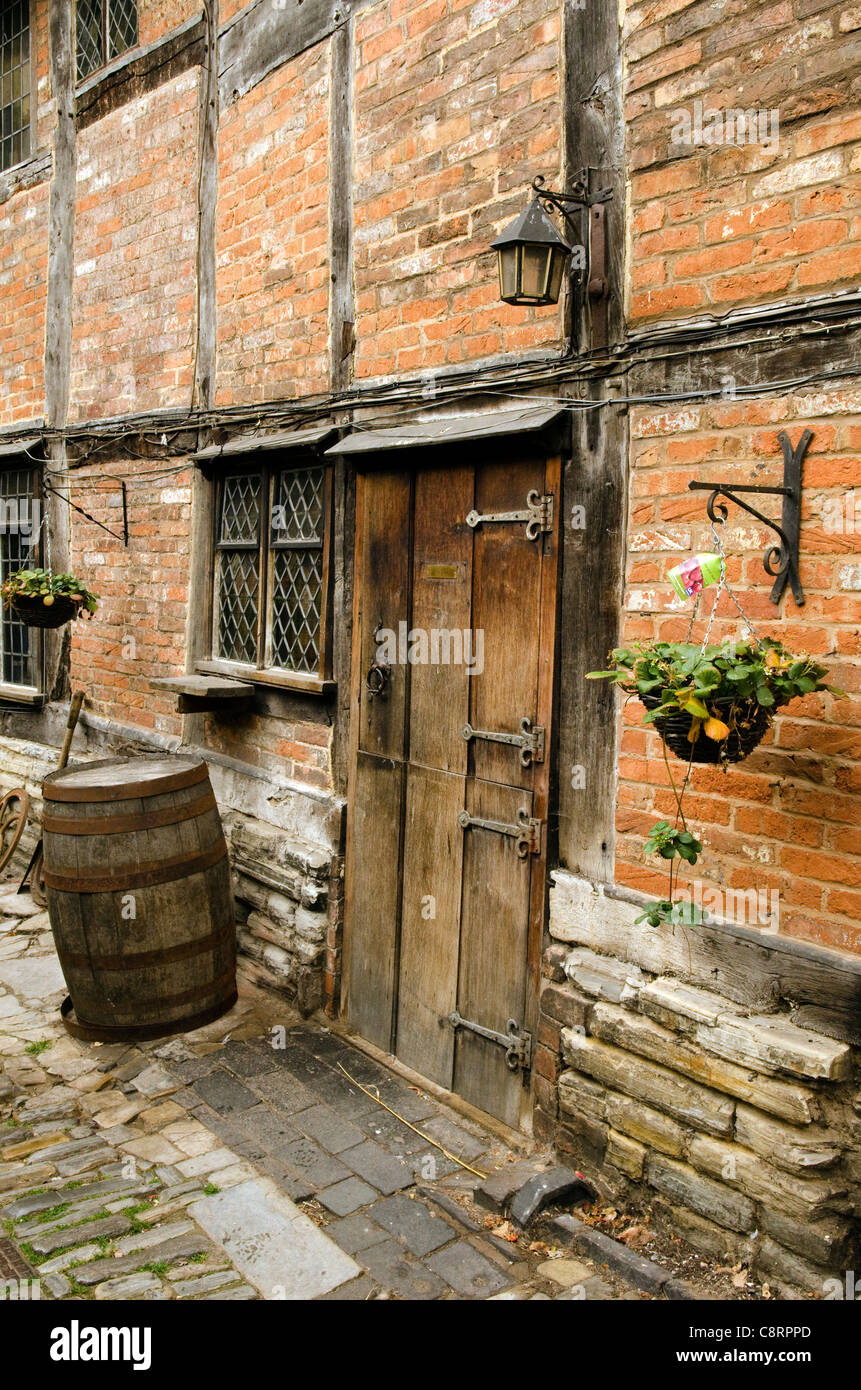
(747, 719)
(30, 609)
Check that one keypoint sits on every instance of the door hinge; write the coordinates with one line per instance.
(516, 1041)
(538, 515)
(530, 740)
(527, 831)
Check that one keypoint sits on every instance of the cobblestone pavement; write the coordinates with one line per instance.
(238, 1162)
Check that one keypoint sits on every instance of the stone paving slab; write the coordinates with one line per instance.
(277, 1248)
(257, 1169)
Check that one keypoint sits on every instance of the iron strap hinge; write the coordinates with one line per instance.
(516, 1041)
(538, 515)
(530, 740)
(527, 831)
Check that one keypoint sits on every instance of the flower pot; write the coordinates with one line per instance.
(30, 609)
(747, 719)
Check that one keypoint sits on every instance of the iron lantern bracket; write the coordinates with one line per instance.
(597, 284)
(781, 560)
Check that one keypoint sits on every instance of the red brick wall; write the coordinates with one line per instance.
(133, 304)
(718, 225)
(272, 235)
(156, 18)
(457, 109)
(298, 749)
(138, 631)
(786, 818)
(23, 289)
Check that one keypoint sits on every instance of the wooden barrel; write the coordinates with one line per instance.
(139, 896)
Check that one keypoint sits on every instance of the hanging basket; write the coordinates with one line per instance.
(749, 722)
(32, 610)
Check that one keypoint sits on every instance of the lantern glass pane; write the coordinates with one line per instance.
(535, 272)
(508, 257)
(557, 269)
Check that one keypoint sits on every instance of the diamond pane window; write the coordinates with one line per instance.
(104, 30)
(278, 570)
(19, 644)
(14, 82)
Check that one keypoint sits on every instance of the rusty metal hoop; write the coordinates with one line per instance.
(14, 810)
(37, 879)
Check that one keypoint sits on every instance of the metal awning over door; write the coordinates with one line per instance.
(449, 429)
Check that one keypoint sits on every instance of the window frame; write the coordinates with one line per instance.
(267, 466)
(107, 59)
(30, 141)
(9, 692)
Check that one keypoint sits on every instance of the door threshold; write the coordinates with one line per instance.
(516, 1139)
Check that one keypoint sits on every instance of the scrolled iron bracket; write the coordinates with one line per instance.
(781, 560)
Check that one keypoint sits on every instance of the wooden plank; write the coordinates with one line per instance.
(342, 314)
(384, 602)
(593, 546)
(548, 608)
(494, 930)
(430, 914)
(506, 610)
(442, 602)
(373, 890)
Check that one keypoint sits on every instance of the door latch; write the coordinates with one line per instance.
(538, 515)
(527, 831)
(516, 1041)
(530, 740)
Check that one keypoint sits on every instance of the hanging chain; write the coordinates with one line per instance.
(722, 584)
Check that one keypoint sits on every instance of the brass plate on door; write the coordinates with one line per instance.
(434, 570)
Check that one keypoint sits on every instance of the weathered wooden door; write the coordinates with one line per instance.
(447, 828)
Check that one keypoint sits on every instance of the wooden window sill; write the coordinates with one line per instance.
(280, 680)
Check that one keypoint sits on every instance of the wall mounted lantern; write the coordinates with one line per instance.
(532, 254)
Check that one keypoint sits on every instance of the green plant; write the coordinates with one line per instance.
(35, 1048)
(210, 1189)
(722, 689)
(717, 686)
(43, 584)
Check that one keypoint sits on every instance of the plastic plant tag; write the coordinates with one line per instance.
(695, 574)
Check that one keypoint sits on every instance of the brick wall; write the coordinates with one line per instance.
(288, 747)
(156, 18)
(272, 235)
(785, 819)
(138, 631)
(23, 289)
(714, 225)
(133, 303)
(457, 108)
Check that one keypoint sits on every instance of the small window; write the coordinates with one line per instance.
(104, 30)
(14, 82)
(20, 647)
(271, 547)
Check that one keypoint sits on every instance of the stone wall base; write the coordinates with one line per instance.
(687, 1087)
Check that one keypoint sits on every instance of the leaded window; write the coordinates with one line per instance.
(14, 82)
(270, 572)
(104, 30)
(20, 647)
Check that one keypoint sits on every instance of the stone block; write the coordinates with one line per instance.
(578, 1095)
(717, 1202)
(796, 1149)
(772, 1260)
(772, 1044)
(680, 1006)
(644, 1124)
(625, 1154)
(640, 1035)
(828, 1242)
(602, 977)
(657, 1086)
(805, 1199)
(702, 1234)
